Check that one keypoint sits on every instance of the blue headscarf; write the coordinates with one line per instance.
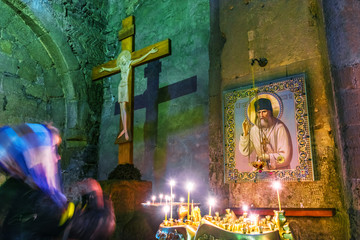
(29, 152)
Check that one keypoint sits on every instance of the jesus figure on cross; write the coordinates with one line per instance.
(124, 64)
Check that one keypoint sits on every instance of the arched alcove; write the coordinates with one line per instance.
(42, 81)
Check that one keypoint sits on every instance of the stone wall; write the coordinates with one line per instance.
(343, 42)
(47, 51)
(170, 137)
(48, 48)
(134, 220)
(291, 36)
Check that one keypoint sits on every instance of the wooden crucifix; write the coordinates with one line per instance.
(125, 62)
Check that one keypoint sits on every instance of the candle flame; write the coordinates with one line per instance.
(211, 201)
(253, 217)
(189, 186)
(277, 185)
(172, 183)
(245, 208)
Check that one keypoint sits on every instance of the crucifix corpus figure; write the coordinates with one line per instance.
(128, 60)
(124, 64)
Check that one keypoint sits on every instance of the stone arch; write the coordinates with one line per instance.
(48, 82)
(66, 65)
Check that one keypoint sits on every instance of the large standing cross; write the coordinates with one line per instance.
(126, 36)
(150, 100)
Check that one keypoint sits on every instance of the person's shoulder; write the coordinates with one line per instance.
(280, 124)
(14, 183)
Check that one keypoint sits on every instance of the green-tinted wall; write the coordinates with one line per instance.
(48, 48)
(45, 56)
(171, 141)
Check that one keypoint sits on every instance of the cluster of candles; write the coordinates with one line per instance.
(160, 198)
(169, 200)
(249, 224)
(245, 224)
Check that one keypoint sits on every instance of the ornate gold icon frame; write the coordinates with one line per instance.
(289, 100)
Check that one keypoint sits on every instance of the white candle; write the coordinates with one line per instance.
(211, 203)
(254, 219)
(189, 187)
(245, 209)
(192, 206)
(172, 183)
(277, 186)
(166, 209)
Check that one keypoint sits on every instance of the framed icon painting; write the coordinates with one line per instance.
(266, 132)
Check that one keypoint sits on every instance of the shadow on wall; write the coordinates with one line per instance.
(150, 100)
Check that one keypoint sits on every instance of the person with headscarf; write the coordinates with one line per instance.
(268, 137)
(32, 202)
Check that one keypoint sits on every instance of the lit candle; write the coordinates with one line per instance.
(277, 186)
(166, 209)
(172, 183)
(166, 199)
(211, 202)
(254, 219)
(189, 187)
(182, 200)
(245, 209)
(161, 197)
(153, 199)
(192, 205)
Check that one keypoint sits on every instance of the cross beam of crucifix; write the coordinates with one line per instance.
(126, 36)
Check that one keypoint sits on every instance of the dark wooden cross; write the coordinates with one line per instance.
(126, 36)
